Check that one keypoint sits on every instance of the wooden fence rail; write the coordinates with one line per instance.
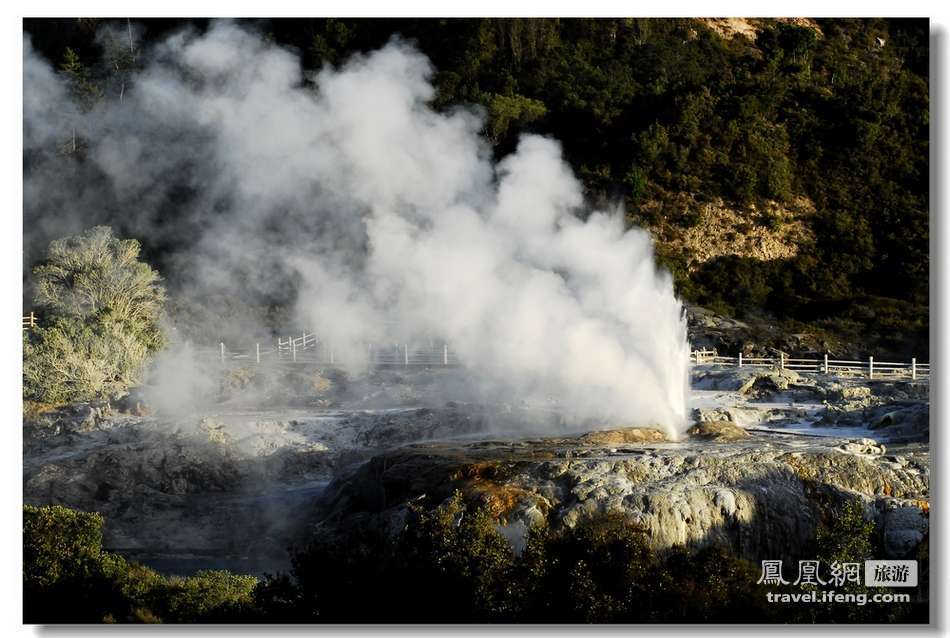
(841, 367)
(309, 349)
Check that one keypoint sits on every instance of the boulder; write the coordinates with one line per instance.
(623, 435)
(712, 414)
(768, 381)
(717, 431)
(752, 382)
(134, 403)
(904, 529)
(73, 419)
(863, 446)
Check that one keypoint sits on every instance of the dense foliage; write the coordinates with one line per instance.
(101, 311)
(68, 578)
(849, 538)
(651, 108)
(452, 563)
(449, 563)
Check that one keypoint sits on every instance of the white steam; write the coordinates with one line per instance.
(378, 209)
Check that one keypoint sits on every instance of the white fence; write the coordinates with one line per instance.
(309, 349)
(870, 368)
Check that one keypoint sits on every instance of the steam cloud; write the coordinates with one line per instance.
(388, 219)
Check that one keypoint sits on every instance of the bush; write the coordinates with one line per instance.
(466, 565)
(741, 283)
(67, 577)
(208, 595)
(851, 538)
(74, 361)
(506, 110)
(452, 564)
(449, 563)
(59, 544)
(101, 311)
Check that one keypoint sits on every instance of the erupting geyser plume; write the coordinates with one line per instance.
(382, 213)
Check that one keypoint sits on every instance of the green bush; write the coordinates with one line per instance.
(69, 360)
(466, 563)
(100, 311)
(448, 563)
(741, 283)
(848, 537)
(208, 595)
(67, 577)
(452, 564)
(59, 544)
(505, 111)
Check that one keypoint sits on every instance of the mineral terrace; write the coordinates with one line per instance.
(237, 483)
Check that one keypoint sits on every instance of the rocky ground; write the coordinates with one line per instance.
(762, 336)
(773, 399)
(760, 496)
(769, 454)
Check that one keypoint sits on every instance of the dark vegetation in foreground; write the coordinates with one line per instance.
(648, 110)
(449, 564)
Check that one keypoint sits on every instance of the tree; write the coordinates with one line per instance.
(507, 110)
(83, 90)
(120, 56)
(101, 310)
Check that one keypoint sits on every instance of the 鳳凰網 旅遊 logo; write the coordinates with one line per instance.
(876, 573)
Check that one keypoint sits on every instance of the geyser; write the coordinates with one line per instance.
(387, 216)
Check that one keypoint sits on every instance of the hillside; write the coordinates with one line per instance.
(782, 165)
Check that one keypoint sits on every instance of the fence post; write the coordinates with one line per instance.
(222, 352)
(405, 352)
(257, 349)
(32, 320)
(740, 358)
(293, 349)
(870, 367)
(781, 360)
(826, 363)
(445, 354)
(913, 368)
(331, 355)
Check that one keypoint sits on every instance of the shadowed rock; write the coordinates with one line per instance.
(762, 499)
(717, 431)
(623, 435)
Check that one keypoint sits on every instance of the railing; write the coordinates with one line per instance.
(841, 367)
(309, 349)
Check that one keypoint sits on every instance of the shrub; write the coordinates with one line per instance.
(208, 595)
(70, 360)
(851, 538)
(101, 311)
(506, 110)
(739, 282)
(451, 563)
(97, 275)
(467, 565)
(59, 544)
(67, 577)
(448, 563)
